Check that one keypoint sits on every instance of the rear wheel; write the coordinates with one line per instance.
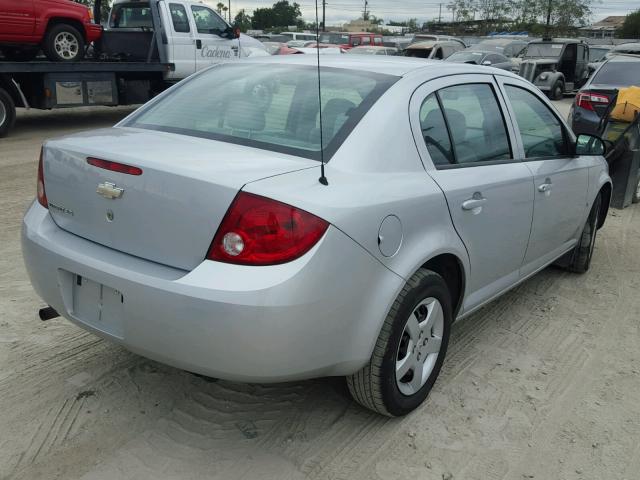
(7, 112)
(557, 91)
(636, 194)
(63, 43)
(583, 253)
(410, 349)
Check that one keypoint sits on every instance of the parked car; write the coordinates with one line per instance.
(373, 51)
(479, 57)
(594, 97)
(436, 50)
(348, 40)
(236, 262)
(556, 66)
(421, 37)
(302, 36)
(275, 48)
(598, 53)
(61, 28)
(631, 48)
(509, 47)
(397, 42)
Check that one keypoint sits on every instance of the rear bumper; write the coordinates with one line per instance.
(317, 316)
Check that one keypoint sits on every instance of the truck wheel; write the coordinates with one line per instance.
(19, 54)
(63, 43)
(7, 112)
(410, 349)
(557, 91)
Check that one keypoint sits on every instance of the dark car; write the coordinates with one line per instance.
(594, 97)
(556, 66)
(476, 57)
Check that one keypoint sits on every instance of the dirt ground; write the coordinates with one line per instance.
(543, 383)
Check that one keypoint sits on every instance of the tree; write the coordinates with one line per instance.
(105, 7)
(631, 26)
(220, 8)
(281, 14)
(242, 20)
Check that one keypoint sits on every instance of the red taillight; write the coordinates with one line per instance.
(114, 166)
(42, 195)
(260, 231)
(587, 100)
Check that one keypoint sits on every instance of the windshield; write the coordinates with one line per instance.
(618, 73)
(544, 50)
(131, 15)
(334, 38)
(466, 57)
(273, 107)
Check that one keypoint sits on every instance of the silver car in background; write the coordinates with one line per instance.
(196, 232)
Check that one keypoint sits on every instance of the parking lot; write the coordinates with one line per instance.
(543, 383)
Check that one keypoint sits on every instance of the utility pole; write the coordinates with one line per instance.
(365, 15)
(440, 14)
(229, 12)
(324, 15)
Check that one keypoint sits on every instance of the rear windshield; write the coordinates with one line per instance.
(272, 107)
(131, 15)
(618, 73)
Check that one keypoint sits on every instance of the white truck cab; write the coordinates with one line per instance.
(194, 35)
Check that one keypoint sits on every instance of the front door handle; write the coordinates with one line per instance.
(474, 203)
(545, 187)
(198, 44)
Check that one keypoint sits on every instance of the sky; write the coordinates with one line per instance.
(341, 11)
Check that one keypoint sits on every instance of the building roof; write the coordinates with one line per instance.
(609, 23)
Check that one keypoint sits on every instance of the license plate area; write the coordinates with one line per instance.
(97, 305)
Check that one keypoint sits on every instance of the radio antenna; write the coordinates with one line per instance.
(323, 179)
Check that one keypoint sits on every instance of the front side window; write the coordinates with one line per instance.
(179, 18)
(475, 123)
(131, 15)
(207, 21)
(273, 108)
(542, 133)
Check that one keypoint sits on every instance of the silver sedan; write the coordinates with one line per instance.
(200, 232)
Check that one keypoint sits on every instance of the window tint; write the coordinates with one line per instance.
(434, 132)
(618, 73)
(207, 21)
(273, 107)
(495, 58)
(476, 124)
(377, 41)
(366, 40)
(179, 18)
(542, 133)
(131, 15)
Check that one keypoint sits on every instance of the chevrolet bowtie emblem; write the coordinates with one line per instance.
(109, 190)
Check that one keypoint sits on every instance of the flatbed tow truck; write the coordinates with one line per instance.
(161, 44)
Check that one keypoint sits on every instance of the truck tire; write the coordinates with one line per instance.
(7, 112)
(19, 54)
(63, 43)
(557, 91)
(410, 349)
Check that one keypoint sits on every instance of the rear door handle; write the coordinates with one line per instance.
(545, 187)
(198, 44)
(473, 203)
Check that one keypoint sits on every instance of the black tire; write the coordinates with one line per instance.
(19, 54)
(583, 253)
(375, 386)
(7, 112)
(557, 91)
(636, 193)
(71, 48)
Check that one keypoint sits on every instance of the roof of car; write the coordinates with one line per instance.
(629, 45)
(624, 57)
(387, 65)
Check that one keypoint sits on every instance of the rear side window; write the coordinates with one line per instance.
(475, 123)
(179, 18)
(434, 132)
(274, 107)
(618, 73)
(542, 133)
(207, 21)
(131, 15)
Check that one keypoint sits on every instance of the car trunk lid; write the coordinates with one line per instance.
(171, 211)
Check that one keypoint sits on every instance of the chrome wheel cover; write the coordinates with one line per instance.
(66, 45)
(3, 114)
(419, 346)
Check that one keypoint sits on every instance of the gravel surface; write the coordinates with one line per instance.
(543, 383)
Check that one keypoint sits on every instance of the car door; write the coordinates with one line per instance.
(17, 19)
(560, 178)
(467, 146)
(182, 39)
(211, 45)
(582, 65)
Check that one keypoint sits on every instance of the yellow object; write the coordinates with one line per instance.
(627, 105)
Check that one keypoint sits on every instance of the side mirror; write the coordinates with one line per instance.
(232, 32)
(590, 145)
(487, 63)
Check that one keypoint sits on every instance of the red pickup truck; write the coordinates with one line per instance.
(61, 28)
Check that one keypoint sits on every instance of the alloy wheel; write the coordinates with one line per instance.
(66, 45)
